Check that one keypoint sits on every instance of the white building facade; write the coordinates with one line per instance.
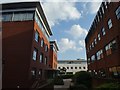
(72, 66)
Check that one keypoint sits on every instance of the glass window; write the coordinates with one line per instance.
(117, 12)
(42, 43)
(75, 67)
(90, 47)
(36, 36)
(103, 31)
(92, 44)
(109, 23)
(105, 4)
(99, 37)
(46, 48)
(35, 54)
(40, 72)
(95, 40)
(71, 67)
(46, 60)
(79, 67)
(99, 54)
(83, 67)
(93, 57)
(33, 72)
(67, 67)
(103, 9)
(7, 17)
(88, 60)
(41, 58)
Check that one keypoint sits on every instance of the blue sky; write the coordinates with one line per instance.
(70, 21)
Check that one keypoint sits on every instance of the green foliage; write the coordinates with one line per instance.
(84, 78)
(78, 87)
(109, 86)
(67, 76)
(58, 80)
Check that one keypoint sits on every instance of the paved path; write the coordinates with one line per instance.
(66, 85)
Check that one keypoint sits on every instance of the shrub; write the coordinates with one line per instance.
(78, 87)
(84, 78)
(109, 86)
(67, 76)
(58, 80)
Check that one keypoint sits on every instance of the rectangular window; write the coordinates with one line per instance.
(112, 46)
(103, 31)
(40, 73)
(33, 72)
(105, 4)
(46, 48)
(88, 60)
(93, 57)
(92, 44)
(41, 58)
(108, 49)
(35, 54)
(109, 23)
(90, 47)
(75, 67)
(67, 67)
(42, 43)
(99, 37)
(46, 61)
(103, 11)
(99, 54)
(95, 40)
(117, 12)
(36, 36)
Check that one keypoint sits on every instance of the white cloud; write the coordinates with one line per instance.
(82, 43)
(59, 11)
(65, 44)
(77, 32)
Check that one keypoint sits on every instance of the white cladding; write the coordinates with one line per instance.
(72, 65)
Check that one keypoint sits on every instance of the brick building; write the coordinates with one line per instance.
(103, 42)
(53, 54)
(26, 45)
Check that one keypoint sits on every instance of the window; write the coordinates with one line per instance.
(99, 54)
(103, 9)
(92, 44)
(95, 40)
(40, 72)
(93, 57)
(45, 60)
(42, 43)
(88, 60)
(67, 67)
(90, 47)
(111, 47)
(103, 31)
(109, 23)
(79, 67)
(36, 36)
(33, 72)
(99, 37)
(75, 67)
(105, 4)
(83, 67)
(41, 58)
(46, 48)
(117, 12)
(71, 67)
(35, 54)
